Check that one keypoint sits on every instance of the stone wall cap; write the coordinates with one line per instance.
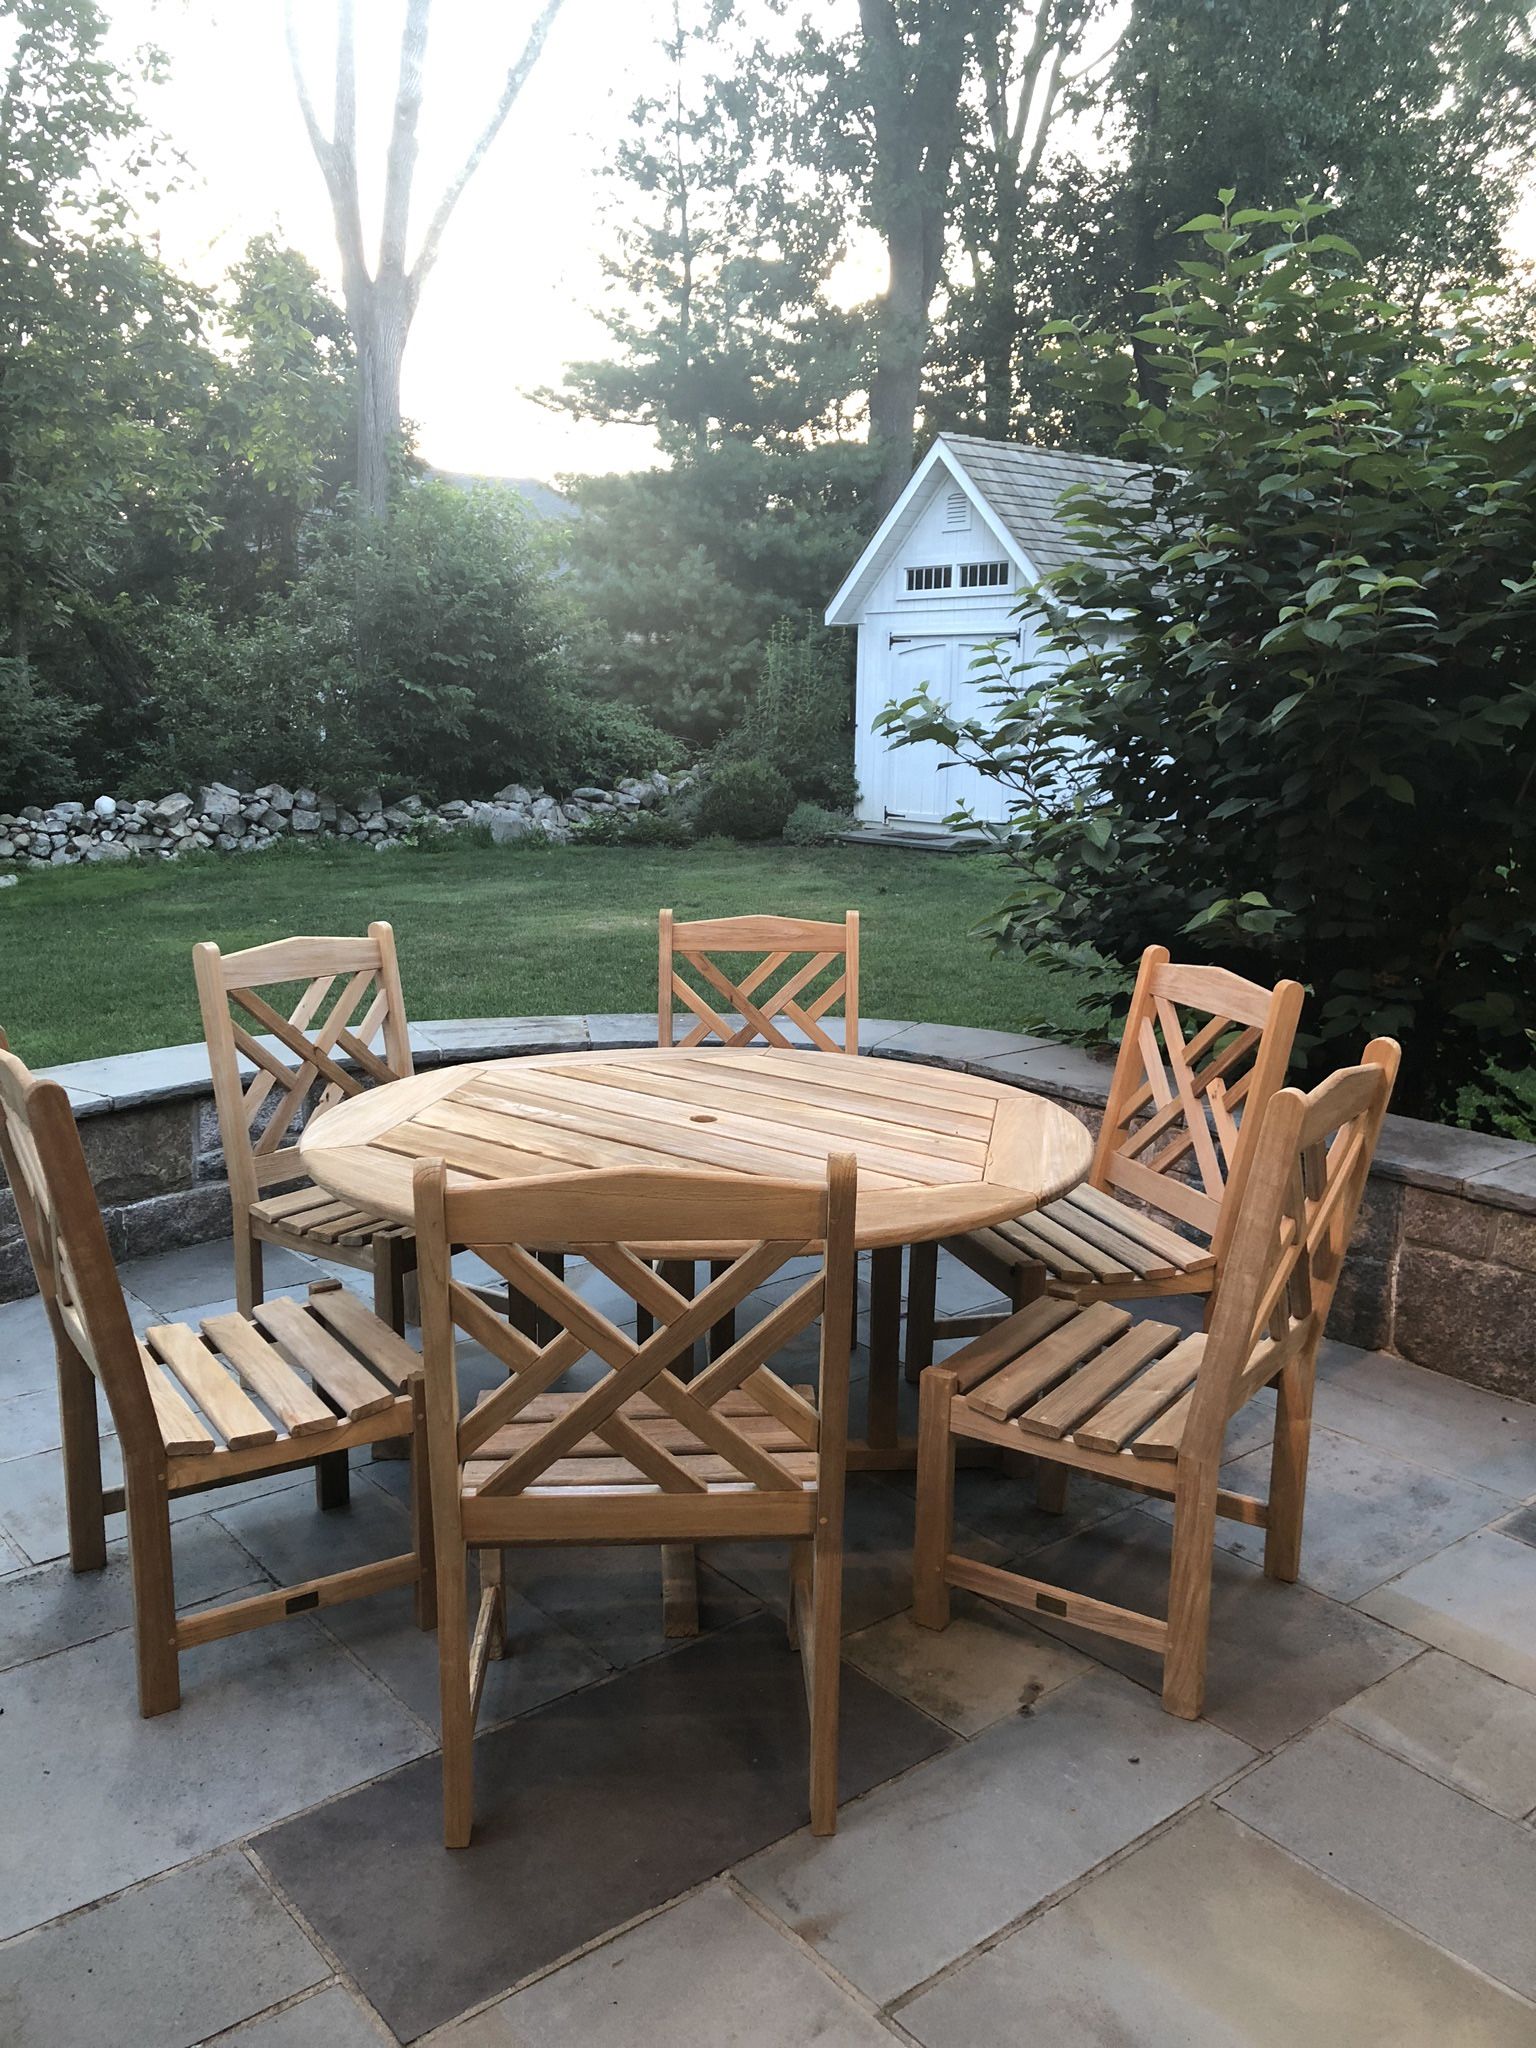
(1444, 1157)
(1499, 1172)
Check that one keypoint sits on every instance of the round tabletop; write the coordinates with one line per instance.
(937, 1152)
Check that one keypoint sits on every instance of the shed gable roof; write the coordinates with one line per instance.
(1016, 487)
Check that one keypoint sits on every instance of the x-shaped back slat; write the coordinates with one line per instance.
(760, 1008)
(350, 1010)
(637, 1369)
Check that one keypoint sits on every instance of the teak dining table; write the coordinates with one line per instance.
(938, 1152)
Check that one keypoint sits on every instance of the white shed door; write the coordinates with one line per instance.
(917, 783)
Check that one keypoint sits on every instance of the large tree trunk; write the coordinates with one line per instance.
(380, 334)
(901, 343)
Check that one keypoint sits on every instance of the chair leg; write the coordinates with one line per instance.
(1288, 1473)
(679, 1591)
(423, 1537)
(922, 1306)
(1051, 1486)
(934, 1531)
(333, 1480)
(457, 1711)
(248, 1286)
(1189, 1590)
(493, 1568)
(826, 1677)
(154, 1591)
(801, 1555)
(80, 1430)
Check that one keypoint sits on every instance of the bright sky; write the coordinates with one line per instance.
(510, 300)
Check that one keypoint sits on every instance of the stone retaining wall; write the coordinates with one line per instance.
(220, 819)
(1443, 1269)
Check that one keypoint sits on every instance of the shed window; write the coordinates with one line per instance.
(983, 575)
(934, 576)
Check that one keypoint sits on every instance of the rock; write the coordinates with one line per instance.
(589, 796)
(218, 801)
(60, 857)
(346, 823)
(275, 796)
(172, 809)
(105, 807)
(108, 850)
(507, 824)
(397, 817)
(273, 820)
(69, 810)
(514, 793)
(8, 881)
(411, 805)
(305, 820)
(305, 800)
(369, 804)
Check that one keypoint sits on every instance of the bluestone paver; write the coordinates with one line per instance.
(1477, 1600)
(1465, 1728)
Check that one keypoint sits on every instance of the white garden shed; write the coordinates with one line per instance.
(940, 578)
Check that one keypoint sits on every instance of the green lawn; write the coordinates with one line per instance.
(97, 960)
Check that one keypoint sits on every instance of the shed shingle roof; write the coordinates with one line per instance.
(1023, 484)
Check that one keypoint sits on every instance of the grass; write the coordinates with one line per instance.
(97, 960)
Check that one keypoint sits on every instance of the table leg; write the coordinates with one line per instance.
(922, 1286)
(884, 1345)
(680, 1561)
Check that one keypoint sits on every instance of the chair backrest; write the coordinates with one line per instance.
(363, 1022)
(1202, 1053)
(1292, 1227)
(818, 965)
(61, 1220)
(609, 1217)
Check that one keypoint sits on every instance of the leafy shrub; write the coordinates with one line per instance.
(1294, 703)
(799, 715)
(813, 825)
(744, 800)
(427, 653)
(37, 728)
(635, 828)
(601, 742)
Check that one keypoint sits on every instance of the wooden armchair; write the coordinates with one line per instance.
(301, 1384)
(363, 1023)
(1202, 1053)
(828, 975)
(644, 1455)
(1087, 1389)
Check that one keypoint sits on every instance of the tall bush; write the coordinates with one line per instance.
(1294, 726)
(428, 652)
(799, 714)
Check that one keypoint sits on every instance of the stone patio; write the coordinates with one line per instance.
(1342, 1851)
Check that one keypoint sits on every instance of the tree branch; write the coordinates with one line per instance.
(515, 80)
(400, 168)
(337, 158)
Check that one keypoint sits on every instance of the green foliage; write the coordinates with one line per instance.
(799, 715)
(601, 741)
(814, 825)
(37, 732)
(1294, 728)
(426, 653)
(635, 828)
(747, 799)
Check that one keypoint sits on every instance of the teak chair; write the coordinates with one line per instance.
(644, 1455)
(362, 1022)
(300, 1385)
(752, 1009)
(1087, 1389)
(1179, 1105)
